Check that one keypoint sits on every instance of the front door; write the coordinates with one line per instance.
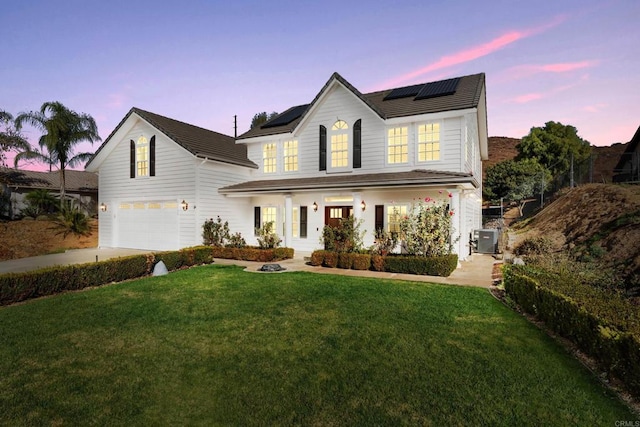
(333, 214)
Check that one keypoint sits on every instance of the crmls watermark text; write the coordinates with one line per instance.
(623, 423)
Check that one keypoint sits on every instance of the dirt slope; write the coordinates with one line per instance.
(25, 238)
(597, 218)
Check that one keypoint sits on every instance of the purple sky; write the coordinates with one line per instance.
(577, 62)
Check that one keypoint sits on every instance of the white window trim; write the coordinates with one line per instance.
(284, 157)
(349, 133)
(410, 137)
(147, 144)
(262, 158)
(417, 143)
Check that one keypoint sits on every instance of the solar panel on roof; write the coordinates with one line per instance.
(287, 117)
(404, 92)
(435, 89)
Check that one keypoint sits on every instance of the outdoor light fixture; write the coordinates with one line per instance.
(103, 207)
(315, 207)
(363, 205)
(184, 205)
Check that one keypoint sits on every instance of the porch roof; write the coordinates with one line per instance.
(414, 178)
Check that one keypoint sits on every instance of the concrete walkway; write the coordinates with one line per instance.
(475, 272)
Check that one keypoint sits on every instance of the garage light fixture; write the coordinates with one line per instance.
(315, 207)
(103, 207)
(363, 205)
(184, 205)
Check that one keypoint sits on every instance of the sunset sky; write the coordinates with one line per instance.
(203, 62)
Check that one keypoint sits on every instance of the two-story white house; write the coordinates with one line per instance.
(345, 153)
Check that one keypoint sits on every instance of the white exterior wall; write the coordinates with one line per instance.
(177, 172)
(342, 104)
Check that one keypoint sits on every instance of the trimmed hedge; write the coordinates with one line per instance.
(430, 266)
(16, 287)
(252, 253)
(618, 352)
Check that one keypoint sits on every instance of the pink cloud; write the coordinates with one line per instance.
(116, 100)
(472, 53)
(523, 99)
(594, 108)
(522, 71)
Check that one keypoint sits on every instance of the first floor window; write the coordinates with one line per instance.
(269, 214)
(269, 153)
(295, 222)
(395, 214)
(398, 145)
(429, 142)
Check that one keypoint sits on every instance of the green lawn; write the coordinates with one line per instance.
(218, 346)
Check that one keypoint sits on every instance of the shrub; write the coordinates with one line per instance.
(40, 202)
(377, 262)
(267, 237)
(345, 237)
(345, 260)
(595, 325)
(72, 220)
(533, 246)
(236, 241)
(384, 242)
(252, 253)
(361, 261)
(215, 233)
(330, 259)
(427, 229)
(442, 265)
(173, 260)
(317, 257)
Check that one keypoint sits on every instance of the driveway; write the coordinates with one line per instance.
(74, 256)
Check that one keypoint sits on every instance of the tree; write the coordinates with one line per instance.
(515, 181)
(10, 137)
(553, 147)
(62, 129)
(261, 118)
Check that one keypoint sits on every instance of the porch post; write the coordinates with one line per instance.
(288, 223)
(357, 210)
(455, 206)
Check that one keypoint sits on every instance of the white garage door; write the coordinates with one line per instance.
(148, 225)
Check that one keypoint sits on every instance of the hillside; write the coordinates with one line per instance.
(503, 148)
(600, 219)
(25, 238)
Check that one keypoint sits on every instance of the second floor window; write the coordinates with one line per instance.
(429, 142)
(291, 156)
(142, 157)
(398, 145)
(269, 159)
(340, 144)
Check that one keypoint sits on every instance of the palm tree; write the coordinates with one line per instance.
(10, 138)
(62, 130)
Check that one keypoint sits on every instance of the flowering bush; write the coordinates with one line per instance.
(426, 229)
(267, 237)
(215, 233)
(346, 237)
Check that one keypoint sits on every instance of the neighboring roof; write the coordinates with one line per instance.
(632, 147)
(467, 94)
(418, 177)
(198, 141)
(74, 180)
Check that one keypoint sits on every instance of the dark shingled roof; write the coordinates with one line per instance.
(74, 180)
(418, 177)
(467, 95)
(198, 141)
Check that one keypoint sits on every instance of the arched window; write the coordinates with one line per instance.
(340, 144)
(142, 157)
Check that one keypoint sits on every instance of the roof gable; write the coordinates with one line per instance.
(198, 141)
(445, 95)
(632, 147)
